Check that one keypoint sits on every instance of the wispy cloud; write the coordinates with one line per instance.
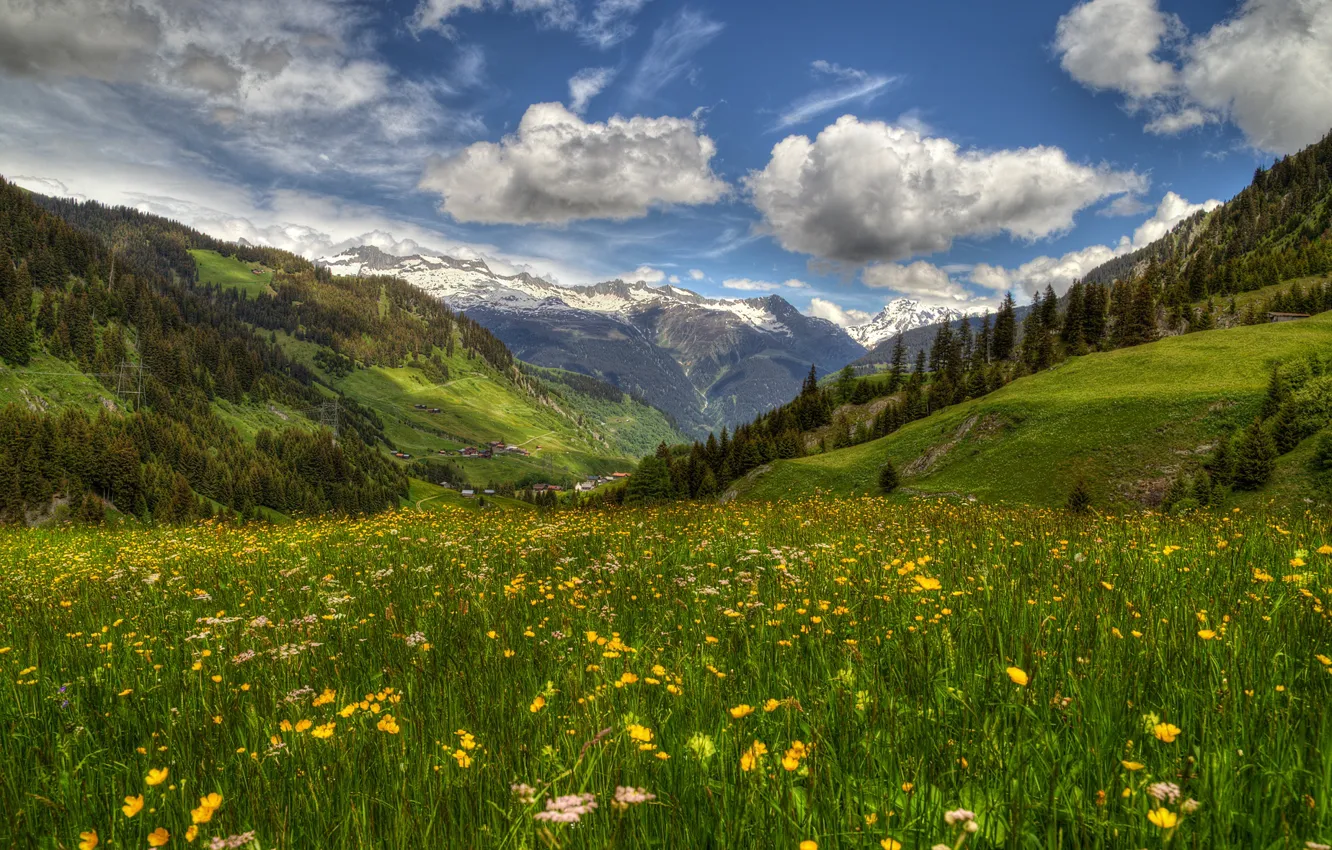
(747, 285)
(587, 84)
(852, 86)
(609, 23)
(672, 52)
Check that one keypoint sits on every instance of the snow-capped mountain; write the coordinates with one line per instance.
(897, 316)
(707, 361)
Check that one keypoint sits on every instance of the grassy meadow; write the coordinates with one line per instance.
(231, 273)
(824, 673)
(1123, 420)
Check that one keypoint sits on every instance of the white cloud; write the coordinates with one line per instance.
(607, 25)
(696, 274)
(671, 53)
(435, 14)
(1113, 44)
(295, 85)
(853, 86)
(1059, 272)
(747, 285)
(557, 168)
(847, 317)
(1267, 68)
(587, 84)
(675, 278)
(644, 274)
(867, 191)
(920, 279)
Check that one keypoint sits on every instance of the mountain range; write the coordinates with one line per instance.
(707, 362)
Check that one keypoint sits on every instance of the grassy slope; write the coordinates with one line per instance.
(1118, 418)
(478, 406)
(231, 273)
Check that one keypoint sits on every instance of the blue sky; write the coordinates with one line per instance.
(838, 153)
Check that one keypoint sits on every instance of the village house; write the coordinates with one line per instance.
(1286, 317)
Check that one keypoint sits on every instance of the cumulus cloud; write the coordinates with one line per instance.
(1113, 44)
(851, 86)
(696, 274)
(1059, 272)
(587, 84)
(1267, 68)
(867, 190)
(671, 53)
(920, 279)
(558, 168)
(747, 285)
(644, 274)
(847, 317)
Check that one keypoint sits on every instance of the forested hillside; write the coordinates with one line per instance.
(134, 387)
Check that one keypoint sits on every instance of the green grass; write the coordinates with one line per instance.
(1124, 420)
(49, 383)
(231, 273)
(477, 405)
(443, 656)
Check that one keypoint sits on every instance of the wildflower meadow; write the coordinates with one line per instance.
(818, 674)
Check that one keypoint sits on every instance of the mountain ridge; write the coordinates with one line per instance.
(708, 362)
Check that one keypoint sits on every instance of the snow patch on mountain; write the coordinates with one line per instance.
(897, 316)
(463, 284)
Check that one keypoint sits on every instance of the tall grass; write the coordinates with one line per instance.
(578, 653)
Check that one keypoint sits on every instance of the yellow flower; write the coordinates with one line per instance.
(192, 833)
(772, 705)
(741, 711)
(156, 776)
(1018, 676)
(1324, 660)
(1206, 634)
(302, 725)
(125, 692)
(158, 837)
(927, 583)
(755, 752)
(387, 724)
(1107, 585)
(1166, 732)
(890, 844)
(809, 845)
(537, 704)
(640, 733)
(132, 806)
(1132, 765)
(324, 730)
(88, 840)
(203, 814)
(1163, 818)
(1325, 549)
(462, 758)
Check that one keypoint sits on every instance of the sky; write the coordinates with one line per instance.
(840, 154)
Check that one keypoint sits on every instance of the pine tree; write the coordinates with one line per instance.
(898, 368)
(1005, 329)
(1221, 464)
(1255, 457)
(888, 480)
(1278, 392)
(1079, 500)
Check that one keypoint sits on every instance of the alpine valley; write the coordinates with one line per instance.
(707, 362)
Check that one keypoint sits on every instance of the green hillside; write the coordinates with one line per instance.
(150, 371)
(231, 273)
(1125, 420)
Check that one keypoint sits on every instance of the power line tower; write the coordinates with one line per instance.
(328, 416)
(129, 384)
